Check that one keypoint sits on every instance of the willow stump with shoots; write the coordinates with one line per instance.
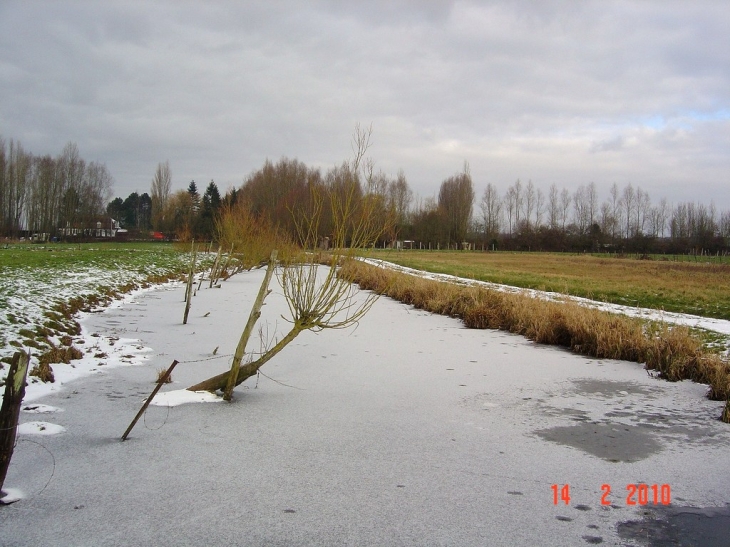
(319, 297)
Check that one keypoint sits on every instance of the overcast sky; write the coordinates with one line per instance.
(557, 92)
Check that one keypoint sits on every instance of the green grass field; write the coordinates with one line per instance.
(695, 287)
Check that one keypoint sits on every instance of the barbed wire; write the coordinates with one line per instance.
(205, 359)
(144, 419)
(277, 381)
(53, 462)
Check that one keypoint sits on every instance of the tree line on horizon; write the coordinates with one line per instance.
(48, 194)
(522, 218)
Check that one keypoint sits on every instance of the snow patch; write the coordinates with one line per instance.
(10, 495)
(40, 428)
(183, 396)
(40, 409)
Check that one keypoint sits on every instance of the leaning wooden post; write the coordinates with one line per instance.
(252, 318)
(10, 410)
(224, 269)
(160, 383)
(189, 293)
(187, 285)
(214, 269)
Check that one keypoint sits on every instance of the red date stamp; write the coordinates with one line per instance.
(636, 494)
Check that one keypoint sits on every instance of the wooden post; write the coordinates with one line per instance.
(252, 318)
(160, 383)
(214, 269)
(189, 294)
(10, 410)
(200, 283)
(187, 285)
(224, 270)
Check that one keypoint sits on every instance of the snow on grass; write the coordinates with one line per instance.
(720, 326)
(36, 279)
(27, 291)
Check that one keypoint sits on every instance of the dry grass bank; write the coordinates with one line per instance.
(672, 351)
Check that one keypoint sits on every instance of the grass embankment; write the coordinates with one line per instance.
(43, 288)
(674, 352)
(699, 288)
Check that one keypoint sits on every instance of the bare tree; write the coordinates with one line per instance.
(553, 207)
(160, 193)
(607, 220)
(643, 206)
(680, 222)
(539, 208)
(662, 217)
(16, 187)
(565, 201)
(456, 198)
(592, 203)
(529, 203)
(71, 193)
(519, 198)
(724, 224)
(653, 219)
(615, 206)
(580, 203)
(510, 206)
(399, 199)
(628, 204)
(94, 193)
(491, 207)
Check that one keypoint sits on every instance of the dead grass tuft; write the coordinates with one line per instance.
(60, 355)
(43, 372)
(161, 374)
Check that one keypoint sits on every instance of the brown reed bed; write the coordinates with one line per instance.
(673, 351)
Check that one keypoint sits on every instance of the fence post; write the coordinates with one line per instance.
(160, 383)
(189, 292)
(10, 410)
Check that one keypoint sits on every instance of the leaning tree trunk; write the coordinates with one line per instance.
(239, 373)
(244, 372)
(250, 324)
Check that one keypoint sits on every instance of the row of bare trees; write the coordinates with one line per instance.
(43, 193)
(524, 216)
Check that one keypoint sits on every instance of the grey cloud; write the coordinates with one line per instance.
(556, 92)
(612, 145)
